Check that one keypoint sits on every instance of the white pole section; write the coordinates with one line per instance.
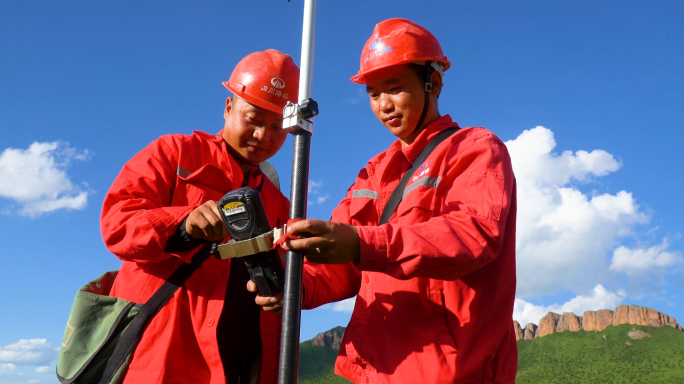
(308, 37)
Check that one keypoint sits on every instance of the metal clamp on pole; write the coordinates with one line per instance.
(298, 116)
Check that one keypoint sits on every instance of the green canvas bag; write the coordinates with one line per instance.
(102, 331)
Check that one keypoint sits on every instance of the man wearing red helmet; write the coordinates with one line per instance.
(162, 208)
(435, 277)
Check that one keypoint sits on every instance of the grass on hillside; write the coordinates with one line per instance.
(563, 358)
(317, 365)
(585, 357)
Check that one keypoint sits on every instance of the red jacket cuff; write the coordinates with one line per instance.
(166, 221)
(373, 249)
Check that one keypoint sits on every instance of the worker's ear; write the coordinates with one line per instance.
(229, 107)
(436, 80)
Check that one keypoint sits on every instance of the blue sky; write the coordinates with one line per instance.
(94, 82)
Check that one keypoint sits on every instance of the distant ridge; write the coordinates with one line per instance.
(638, 349)
(331, 338)
(594, 321)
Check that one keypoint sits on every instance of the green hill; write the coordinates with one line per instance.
(568, 357)
(586, 357)
(317, 363)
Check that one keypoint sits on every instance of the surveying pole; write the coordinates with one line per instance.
(298, 119)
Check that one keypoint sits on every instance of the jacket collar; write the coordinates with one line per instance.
(412, 151)
(218, 138)
(254, 178)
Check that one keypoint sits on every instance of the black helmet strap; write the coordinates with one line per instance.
(428, 89)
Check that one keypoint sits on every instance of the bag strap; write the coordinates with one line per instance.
(269, 170)
(398, 193)
(130, 338)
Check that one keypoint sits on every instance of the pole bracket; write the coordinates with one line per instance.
(298, 116)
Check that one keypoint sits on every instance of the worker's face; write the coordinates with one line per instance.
(254, 133)
(397, 97)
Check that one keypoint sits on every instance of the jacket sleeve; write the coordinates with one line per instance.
(470, 211)
(326, 283)
(137, 218)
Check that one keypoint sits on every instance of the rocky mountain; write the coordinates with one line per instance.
(530, 331)
(331, 338)
(594, 321)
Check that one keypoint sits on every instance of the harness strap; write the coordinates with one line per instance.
(398, 193)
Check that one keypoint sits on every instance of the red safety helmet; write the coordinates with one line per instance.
(398, 41)
(267, 79)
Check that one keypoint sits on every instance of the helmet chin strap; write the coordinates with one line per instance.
(428, 89)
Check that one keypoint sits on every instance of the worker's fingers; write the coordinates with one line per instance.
(338, 244)
(207, 223)
(307, 244)
(213, 224)
(312, 226)
(214, 219)
(268, 301)
(204, 223)
(211, 204)
(276, 310)
(264, 300)
(271, 304)
(198, 224)
(220, 225)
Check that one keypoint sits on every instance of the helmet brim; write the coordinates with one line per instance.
(253, 99)
(360, 78)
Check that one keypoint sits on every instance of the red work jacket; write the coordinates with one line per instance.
(149, 199)
(435, 286)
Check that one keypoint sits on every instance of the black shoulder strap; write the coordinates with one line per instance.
(130, 338)
(398, 193)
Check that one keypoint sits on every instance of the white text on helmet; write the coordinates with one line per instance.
(274, 91)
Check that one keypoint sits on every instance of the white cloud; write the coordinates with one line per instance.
(44, 368)
(36, 180)
(314, 186)
(361, 95)
(28, 352)
(563, 235)
(34, 381)
(317, 196)
(346, 305)
(599, 298)
(639, 261)
(7, 368)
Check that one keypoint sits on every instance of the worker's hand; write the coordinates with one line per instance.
(270, 304)
(327, 242)
(204, 223)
